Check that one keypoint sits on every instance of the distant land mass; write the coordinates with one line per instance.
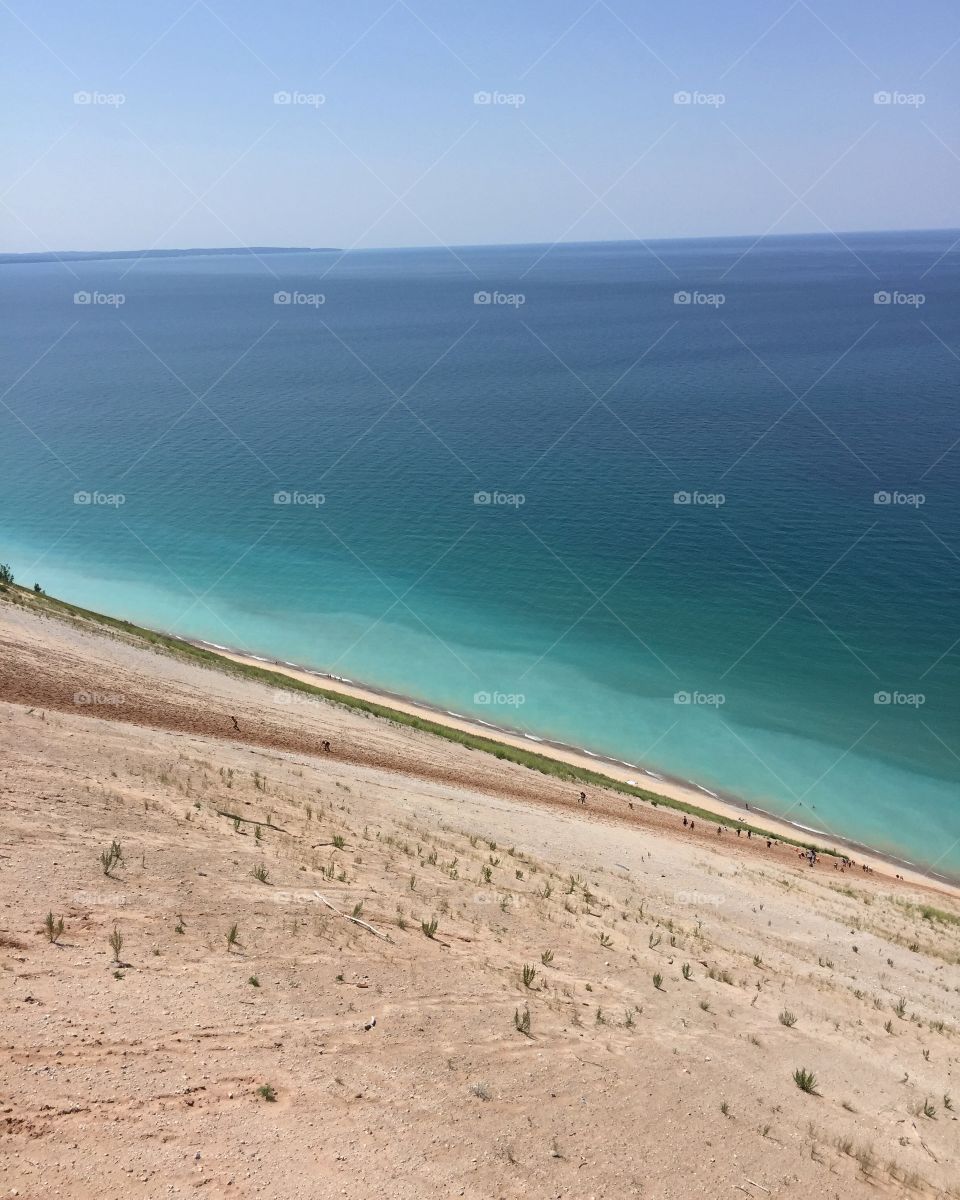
(88, 255)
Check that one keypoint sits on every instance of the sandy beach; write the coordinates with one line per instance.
(658, 783)
(309, 951)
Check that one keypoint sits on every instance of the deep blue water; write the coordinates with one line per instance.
(596, 400)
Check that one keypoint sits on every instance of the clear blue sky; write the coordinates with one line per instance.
(599, 119)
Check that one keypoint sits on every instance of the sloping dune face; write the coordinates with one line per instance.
(396, 967)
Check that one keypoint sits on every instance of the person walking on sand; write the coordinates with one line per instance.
(583, 798)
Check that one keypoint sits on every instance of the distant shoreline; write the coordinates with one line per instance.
(8, 257)
(49, 256)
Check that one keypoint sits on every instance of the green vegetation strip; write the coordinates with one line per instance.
(525, 758)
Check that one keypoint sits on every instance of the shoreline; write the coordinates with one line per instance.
(676, 794)
(725, 806)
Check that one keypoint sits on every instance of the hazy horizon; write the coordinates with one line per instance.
(407, 124)
(278, 246)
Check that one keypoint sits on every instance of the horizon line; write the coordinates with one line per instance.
(247, 248)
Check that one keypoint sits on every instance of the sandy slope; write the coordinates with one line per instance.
(141, 1080)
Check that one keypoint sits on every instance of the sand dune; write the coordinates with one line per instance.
(674, 984)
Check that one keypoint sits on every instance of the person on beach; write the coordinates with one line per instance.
(685, 822)
(583, 798)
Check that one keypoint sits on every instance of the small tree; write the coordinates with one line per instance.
(6, 575)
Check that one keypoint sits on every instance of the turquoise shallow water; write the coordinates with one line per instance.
(586, 612)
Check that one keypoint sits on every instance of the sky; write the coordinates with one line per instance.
(368, 123)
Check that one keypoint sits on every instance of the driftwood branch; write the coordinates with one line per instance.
(356, 920)
(249, 820)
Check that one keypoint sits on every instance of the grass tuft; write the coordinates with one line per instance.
(53, 928)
